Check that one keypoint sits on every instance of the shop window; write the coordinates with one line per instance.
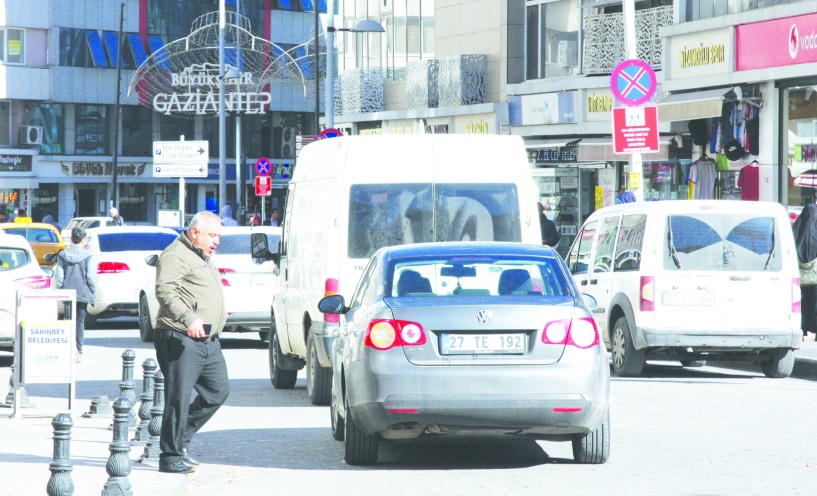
(44, 202)
(132, 204)
(5, 123)
(50, 117)
(137, 131)
(171, 128)
(13, 46)
(91, 126)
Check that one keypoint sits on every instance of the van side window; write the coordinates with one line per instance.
(579, 255)
(630, 241)
(603, 261)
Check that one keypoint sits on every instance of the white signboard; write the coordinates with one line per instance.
(180, 170)
(48, 351)
(181, 152)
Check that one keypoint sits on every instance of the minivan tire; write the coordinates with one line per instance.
(318, 378)
(779, 364)
(594, 448)
(627, 360)
(280, 378)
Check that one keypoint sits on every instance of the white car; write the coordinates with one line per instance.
(248, 287)
(19, 270)
(121, 267)
(85, 223)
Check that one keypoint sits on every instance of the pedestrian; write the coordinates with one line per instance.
(190, 319)
(625, 197)
(116, 219)
(805, 237)
(273, 217)
(227, 216)
(49, 219)
(76, 269)
(255, 220)
(550, 233)
(4, 216)
(14, 214)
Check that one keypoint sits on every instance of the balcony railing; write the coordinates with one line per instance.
(604, 39)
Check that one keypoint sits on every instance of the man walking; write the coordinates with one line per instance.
(116, 219)
(76, 270)
(190, 319)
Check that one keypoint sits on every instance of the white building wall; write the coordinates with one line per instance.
(27, 13)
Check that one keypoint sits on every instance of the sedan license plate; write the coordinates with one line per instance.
(261, 279)
(482, 344)
(688, 299)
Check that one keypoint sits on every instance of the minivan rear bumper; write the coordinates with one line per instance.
(751, 339)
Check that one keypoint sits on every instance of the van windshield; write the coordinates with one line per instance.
(398, 214)
(721, 242)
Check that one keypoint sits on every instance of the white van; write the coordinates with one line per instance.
(692, 280)
(349, 196)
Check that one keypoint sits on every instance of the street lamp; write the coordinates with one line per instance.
(364, 26)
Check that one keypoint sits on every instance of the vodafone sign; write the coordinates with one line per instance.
(776, 43)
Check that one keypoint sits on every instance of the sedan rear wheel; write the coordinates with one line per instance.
(594, 448)
(318, 378)
(360, 448)
(145, 327)
(693, 363)
(337, 422)
(280, 378)
(627, 361)
(90, 321)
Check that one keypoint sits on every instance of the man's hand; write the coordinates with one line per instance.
(196, 329)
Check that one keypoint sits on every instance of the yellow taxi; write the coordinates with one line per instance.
(43, 237)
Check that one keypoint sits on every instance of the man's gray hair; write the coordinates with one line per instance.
(202, 218)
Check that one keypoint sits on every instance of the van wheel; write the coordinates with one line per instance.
(318, 378)
(693, 363)
(594, 447)
(145, 328)
(280, 378)
(627, 361)
(779, 364)
(359, 448)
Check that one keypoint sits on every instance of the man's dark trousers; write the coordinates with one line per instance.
(188, 364)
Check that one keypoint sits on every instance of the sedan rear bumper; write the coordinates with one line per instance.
(250, 320)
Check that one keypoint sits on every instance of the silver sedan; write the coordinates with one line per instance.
(468, 338)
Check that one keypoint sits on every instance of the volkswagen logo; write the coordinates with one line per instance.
(483, 317)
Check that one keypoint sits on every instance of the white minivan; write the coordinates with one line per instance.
(692, 280)
(350, 196)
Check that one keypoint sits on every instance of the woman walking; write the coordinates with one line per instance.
(805, 237)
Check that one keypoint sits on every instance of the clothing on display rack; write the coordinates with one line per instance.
(703, 174)
(749, 181)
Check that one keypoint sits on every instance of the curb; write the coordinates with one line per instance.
(804, 368)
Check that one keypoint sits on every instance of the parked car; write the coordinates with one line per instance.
(468, 338)
(248, 287)
(120, 265)
(19, 270)
(692, 280)
(85, 223)
(43, 237)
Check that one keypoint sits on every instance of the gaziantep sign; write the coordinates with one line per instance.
(196, 91)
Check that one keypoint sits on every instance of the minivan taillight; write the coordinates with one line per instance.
(581, 332)
(796, 296)
(646, 294)
(35, 282)
(330, 288)
(112, 267)
(383, 334)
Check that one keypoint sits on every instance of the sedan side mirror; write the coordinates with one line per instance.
(152, 260)
(333, 304)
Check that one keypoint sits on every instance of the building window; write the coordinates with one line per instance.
(132, 204)
(74, 48)
(91, 125)
(50, 117)
(92, 48)
(552, 34)
(137, 131)
(171, 128)
(5, 123)
(13, 46)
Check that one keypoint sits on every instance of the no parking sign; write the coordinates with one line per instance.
(633, 82)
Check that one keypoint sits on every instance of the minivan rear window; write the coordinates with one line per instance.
(397, 214)
(722, 242)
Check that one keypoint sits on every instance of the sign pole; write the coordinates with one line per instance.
(181, 190)
(635, 162)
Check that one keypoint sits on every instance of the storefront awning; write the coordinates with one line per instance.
(601, 150)
(693, 105)
(19, 183)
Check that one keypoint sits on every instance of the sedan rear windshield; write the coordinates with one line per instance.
(722, 242)
(478, 276)
(397, 214)
(135, 241)
(239, 244)
(36, 234)
(13, 258)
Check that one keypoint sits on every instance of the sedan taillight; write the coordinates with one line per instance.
(35, 282)
(581, 333)
(383, 334)
(223, 273)
(112, 267)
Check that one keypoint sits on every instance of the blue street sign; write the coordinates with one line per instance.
(263, 166)
(633, 82)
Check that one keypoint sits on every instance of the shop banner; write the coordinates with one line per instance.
(776, 43)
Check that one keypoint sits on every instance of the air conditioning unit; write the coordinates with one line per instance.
(287, 149)
(31, 135)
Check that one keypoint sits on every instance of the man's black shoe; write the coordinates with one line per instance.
(176, 468)
(189, 459)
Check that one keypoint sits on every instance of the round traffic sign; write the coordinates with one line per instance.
(263, 166)
(633, 82)
(329, 132)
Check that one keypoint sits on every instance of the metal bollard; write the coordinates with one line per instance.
(127, 385)
(60, 482)
(118, 466)
(100, 407)
(24, 402)
(152, 448)
(141, 435)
